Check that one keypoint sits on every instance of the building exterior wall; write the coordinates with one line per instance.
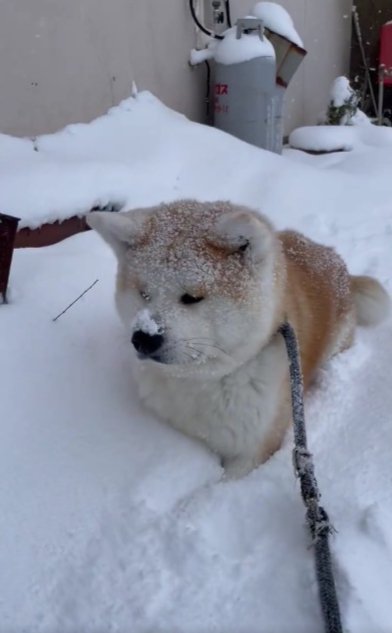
(65, 61)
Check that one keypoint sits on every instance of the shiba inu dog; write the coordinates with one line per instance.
(202, 289)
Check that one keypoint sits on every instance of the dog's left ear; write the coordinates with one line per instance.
(119, 230)
(244, 232)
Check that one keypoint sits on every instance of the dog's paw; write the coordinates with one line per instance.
(237, 467)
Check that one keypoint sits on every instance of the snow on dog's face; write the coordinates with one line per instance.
(195, 283)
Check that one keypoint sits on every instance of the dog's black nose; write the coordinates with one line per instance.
(146, 344)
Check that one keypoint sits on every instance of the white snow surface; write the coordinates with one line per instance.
(110, 520)
(278, 20)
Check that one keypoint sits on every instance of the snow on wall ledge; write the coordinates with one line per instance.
(67, 173)
(139, 153)
(142, 153)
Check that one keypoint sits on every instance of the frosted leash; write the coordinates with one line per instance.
(316, 517)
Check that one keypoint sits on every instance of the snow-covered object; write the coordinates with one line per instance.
(343, 105)
(358, 118)
(231, 50)
(341, 91)
(323, 138)
(129, 157)
(278, 20)
(334, 138)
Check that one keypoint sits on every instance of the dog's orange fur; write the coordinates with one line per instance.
(317, 300)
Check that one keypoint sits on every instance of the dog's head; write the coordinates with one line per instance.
(196, 284)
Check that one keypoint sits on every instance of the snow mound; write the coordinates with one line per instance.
(323, 138)
(135, 155)
(231, 50)
(335, 138)
(114, 159)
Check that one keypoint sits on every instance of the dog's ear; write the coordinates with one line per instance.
(119, 230)
(240, 231)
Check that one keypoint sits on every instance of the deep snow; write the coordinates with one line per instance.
(111, 521)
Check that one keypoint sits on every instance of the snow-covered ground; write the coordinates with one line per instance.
(109, 520)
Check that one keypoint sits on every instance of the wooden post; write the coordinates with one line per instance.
(8, 228)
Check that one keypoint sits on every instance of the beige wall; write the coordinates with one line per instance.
(64, 61)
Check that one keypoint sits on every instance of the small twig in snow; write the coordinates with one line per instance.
(77, 299)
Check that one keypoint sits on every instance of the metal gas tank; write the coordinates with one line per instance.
(248, 103)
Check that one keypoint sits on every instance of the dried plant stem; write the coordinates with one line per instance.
(77, 299)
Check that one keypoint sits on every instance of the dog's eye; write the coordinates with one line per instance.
(188, 299)
(244, 246)
(145, 295)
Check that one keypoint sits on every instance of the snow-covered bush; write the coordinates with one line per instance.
(343, 105)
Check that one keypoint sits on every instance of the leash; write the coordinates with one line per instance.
(316, 517)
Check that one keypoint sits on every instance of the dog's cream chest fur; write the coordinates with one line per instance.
(232, 414)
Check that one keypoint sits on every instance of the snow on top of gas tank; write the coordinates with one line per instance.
(231, 50)
(278, 20)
